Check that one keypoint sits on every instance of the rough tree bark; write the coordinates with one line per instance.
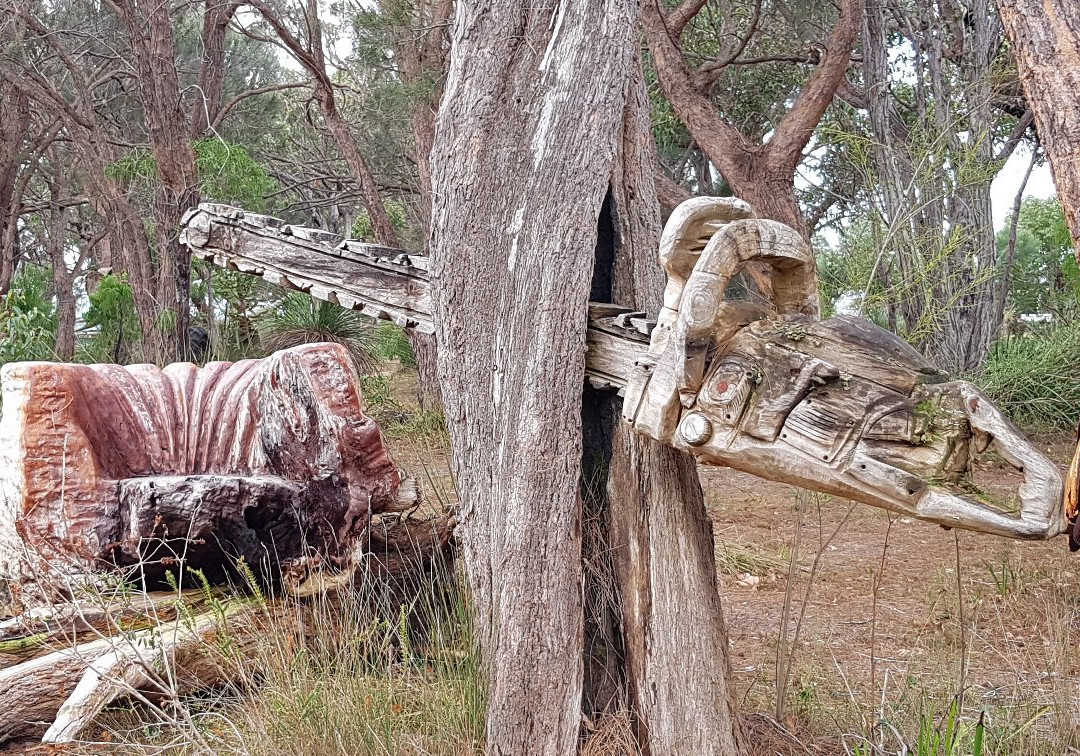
(1045, 36)
(513, 148)
(761, 174)
(523, 153)
(14, 127)
(420, 49)
(216, 17)
(674, 644)
(150, 35)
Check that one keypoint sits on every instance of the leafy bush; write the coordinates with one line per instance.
(1035, 377)
(112, 313)
(227, 173)
(362, 228)
(392, 343)
(28, 318)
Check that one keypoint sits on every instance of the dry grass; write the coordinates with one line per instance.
(989, 636)
(331, 675)
(324, 675)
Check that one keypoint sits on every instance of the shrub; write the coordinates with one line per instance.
(299, 319)
(1035, 377)
(28, 318)
(112, 316)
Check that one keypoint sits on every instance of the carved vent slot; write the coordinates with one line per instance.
(820, 427)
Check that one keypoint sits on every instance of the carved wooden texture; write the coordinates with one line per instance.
(913, 429)
(837, 406)
(383, 283)
(271, 460)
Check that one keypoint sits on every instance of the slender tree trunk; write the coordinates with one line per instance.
(150, 32)
(55, 243)
(1010, 249)
(369, 191)
(420, 52)
(14, 125)
(216, 17)
(65, 318)
(1045, 37)
(523, 153)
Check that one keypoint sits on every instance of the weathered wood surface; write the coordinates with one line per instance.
(838, 406)
(270, 461)
(383, 283)
(148, 646)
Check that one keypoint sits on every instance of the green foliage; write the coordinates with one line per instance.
(844, 273)
(362, 228)
(1035, 377)
(949, 736)
(112, 313)
(138, 165)
(231, 315)
(227, 173)
(392, 343)
(1045, 278)
(28, 317)
(300, 319)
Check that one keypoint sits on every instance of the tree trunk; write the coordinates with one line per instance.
(1045, 36)
(207, 105)
(426, 354)
(523, 153)
(938, 238)
(420, 51)
(761, 174)
(150, 32)
(369, 192)
(62, 278)
(673, 634)
(14, 123)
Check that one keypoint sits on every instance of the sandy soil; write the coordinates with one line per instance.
(1019, 607)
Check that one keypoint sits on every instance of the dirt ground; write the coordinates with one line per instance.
(1018, 602)
(1018, 606)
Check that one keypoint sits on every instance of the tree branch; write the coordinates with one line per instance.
(227, 107)
(678, 18)
(721, 141)
(1017, 135)
(668, 191)
(794, 131)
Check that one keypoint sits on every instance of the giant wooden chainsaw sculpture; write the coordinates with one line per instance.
(838, 406)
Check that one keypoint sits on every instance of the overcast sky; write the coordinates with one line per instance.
(1003, 190)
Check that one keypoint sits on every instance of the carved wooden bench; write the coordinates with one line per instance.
(272, 461)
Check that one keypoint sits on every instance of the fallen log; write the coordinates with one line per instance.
(61, 692)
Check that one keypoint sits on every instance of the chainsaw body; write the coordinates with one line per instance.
(838, 406)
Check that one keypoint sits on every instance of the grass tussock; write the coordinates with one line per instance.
(332, 674)
(1035, 377)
